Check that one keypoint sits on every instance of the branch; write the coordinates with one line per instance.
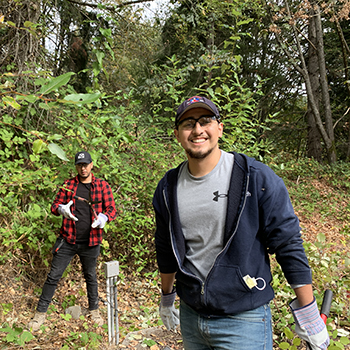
(305, 37)
(109, 8)
(20, 128)
(335, 124)
(291, 58)
(304, 71)
(345, 51)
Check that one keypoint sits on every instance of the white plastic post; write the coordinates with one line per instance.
(112, 271)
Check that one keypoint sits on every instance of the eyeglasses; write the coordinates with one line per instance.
(204, 121)
(82, 165)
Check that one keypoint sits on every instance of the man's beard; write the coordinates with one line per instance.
(198, 155)
(85, 176)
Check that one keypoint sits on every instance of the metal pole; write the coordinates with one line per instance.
(108, 310)
(111, 305)
(116, 309)
(112, 271)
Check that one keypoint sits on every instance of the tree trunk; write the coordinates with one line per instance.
(314, 148)
(325, 127)
(345, 53)
(324, 88)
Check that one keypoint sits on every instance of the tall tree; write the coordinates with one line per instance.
(295, 51)
(314, 149)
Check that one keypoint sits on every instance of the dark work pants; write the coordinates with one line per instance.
(63, 253)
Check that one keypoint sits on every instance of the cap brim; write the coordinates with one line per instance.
(82, 161)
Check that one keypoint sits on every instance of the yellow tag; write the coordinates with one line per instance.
(250, 281)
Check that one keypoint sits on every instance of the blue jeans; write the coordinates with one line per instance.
(250, 330)
(63, 253)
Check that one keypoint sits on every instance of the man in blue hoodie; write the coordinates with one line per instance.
(219, 216)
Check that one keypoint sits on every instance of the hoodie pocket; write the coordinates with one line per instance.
(225, 286)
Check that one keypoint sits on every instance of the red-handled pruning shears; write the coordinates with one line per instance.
(90, 203)
(325, 307)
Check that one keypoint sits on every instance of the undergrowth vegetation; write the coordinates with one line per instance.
(132, 150)
(316, 191)
(320, 195)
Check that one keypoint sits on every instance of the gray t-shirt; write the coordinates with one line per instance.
(202, 206)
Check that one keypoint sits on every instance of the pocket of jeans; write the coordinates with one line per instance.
(57, 246)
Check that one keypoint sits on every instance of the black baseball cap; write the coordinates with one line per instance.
(83, 157)
(196, 102)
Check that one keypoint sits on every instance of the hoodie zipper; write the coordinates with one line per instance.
(228, 242)
(234, 232)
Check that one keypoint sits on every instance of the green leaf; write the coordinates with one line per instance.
(344, 340)
(10, 101)
(55, 83)
(30, 98)
(96, 68)
(296, 341)
(26, 336)
(66, 317)
(82, 98)
(10, 338)
(58, 151)
(44, 106)
(149, 342)
(289, 334)
(247, 21)
(37, 146)
(6, 329)
(55, 137)
(283, 345)
(29, 24)
(100, 55)
(106, 32)
(321, 237)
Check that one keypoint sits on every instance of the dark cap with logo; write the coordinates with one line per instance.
(196, 102)
(83, 157)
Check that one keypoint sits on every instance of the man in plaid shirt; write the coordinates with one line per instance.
(86, 204)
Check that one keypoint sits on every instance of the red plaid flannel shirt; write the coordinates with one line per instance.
(100, 191)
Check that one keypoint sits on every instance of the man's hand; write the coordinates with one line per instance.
(64, 209)
(167, 311)
(100, 222)
(309, 325)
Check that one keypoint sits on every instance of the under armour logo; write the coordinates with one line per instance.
(217, 196)
(81, 156)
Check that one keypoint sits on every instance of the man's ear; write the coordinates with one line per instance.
(221, 129)
(176, 132)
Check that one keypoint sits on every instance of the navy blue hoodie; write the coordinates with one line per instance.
(260, 220)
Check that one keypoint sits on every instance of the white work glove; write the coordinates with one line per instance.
(64, 209)
(100, 222)
(168, 314)
(309, 325)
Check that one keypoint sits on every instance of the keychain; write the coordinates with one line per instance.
(251, 282)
